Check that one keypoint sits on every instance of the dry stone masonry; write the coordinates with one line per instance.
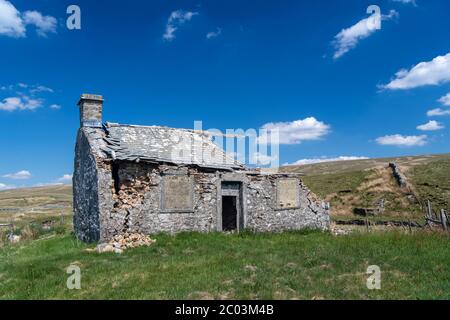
(148, 179)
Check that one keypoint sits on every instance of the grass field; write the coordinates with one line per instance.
(294, 265)
(432, 181)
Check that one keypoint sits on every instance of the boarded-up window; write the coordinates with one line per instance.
(177, 193)
(288, 193)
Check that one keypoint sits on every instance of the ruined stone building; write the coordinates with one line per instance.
(152, 179)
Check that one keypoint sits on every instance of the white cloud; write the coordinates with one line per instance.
(214, 34)
(176, 19)
(430, 126)
(25, 97)
(67, 178)
(348, 38)
(20, 175)
(55, 106)
(324, 159)
(402, 141)
(438, 112)
(48, 184)
(6, 187)
(37, 89)
(434, 72)
(296, 131)
(262, 159)
(14, 24)
(20, 103)
(11, 23)
(31, 89)
(445, 100)
(43, 24)
(406, 1)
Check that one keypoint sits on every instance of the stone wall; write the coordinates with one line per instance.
(263, 213)
(85, 192)
(135, 195)
(399, 177)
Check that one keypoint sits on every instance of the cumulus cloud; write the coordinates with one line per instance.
(20, 103)
(263, 159)
(43, 24)
(47, 184)
(434, 72)
(324, 159)
(438, 112)
(430, 126)
(26, 97)
(67, 178)
(20, 175)
(11, 23)
(6, 187)
(55, 106)
(402, 141)
(214, 34)
(413, 2)
(14, 24)
(347, 39)
(176, 19)
(445, 100)
(39, 88)
(296, 131)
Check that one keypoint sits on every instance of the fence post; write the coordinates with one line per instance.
(444, 219)
(429, 210)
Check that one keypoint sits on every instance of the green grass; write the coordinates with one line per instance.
(432, 182)
(304, 265)
(326, 184)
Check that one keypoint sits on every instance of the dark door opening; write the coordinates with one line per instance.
(229, 213)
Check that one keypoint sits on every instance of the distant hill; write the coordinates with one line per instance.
(368, 183)
(29, 204)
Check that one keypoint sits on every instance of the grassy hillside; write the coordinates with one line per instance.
(367, 183)
(32, 210)
(432, 181)
(34, 203)
(295, 265)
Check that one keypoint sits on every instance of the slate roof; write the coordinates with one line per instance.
(162, 144)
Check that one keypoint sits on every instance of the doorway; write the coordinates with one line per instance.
(229, 213)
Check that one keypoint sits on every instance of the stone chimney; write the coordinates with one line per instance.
(91, 109)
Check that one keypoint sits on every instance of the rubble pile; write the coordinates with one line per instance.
(124, 241)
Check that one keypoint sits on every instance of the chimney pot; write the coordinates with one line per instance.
(91, 109)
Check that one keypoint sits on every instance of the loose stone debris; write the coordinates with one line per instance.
(119, 243)
(14, 239)
(337, 231)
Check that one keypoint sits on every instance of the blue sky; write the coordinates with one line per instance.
(317, 70)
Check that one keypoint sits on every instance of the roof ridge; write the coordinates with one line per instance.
(115, 124)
